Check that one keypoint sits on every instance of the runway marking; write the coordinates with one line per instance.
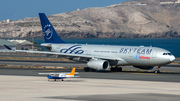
(139, 73)
(146, 73)
(49, 70)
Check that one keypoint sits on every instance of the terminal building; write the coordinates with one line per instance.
(15, 44)
(22, 44)
(8, 43)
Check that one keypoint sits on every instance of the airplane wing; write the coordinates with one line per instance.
(56, 73)
(66, 54)
(69, 73)
(74, 76)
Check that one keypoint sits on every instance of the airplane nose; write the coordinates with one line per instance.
(172, 58)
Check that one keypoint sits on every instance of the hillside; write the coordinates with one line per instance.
(131, 19)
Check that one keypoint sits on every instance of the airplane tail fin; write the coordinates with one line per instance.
(50, 35)
(72, 72)
(8, 47)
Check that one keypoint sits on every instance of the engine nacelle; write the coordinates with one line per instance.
(98, 64)
(144, 67)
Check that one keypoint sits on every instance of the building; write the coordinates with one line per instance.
(162, 2)
(5, 42)
(22, 44)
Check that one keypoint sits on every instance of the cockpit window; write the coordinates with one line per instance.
(167, 54)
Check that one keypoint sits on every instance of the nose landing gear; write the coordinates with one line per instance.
(157, 69)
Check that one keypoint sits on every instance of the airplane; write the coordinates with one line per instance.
(62, 76)
(102, 57)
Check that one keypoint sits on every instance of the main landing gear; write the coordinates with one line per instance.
(116, 69)
(157, 69)
(87, 69)
(113, 69)
(55, 80)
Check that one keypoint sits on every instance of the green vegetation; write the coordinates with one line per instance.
(28, 24)
(18, 30)
(21, 66)
(5, 65)
(138, 70)
(75, 25)
(148, 18)
(88, 23)
(125, 70)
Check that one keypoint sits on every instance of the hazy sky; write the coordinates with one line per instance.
(31, 8)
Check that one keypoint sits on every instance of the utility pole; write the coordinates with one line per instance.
(15, 16)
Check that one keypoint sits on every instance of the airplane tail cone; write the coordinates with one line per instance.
(72, 72)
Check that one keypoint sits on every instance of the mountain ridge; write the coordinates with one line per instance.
(130, 19)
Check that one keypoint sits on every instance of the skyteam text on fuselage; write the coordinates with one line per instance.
(102, 57)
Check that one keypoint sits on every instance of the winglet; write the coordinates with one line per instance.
(72, 72)
(8, 47)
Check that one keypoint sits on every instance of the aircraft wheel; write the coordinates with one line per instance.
(112, 69)
(54, 79)
(86, 69)
(91, 70)
(116, 69)
(62, 80)
(157, 71)
(119, 69)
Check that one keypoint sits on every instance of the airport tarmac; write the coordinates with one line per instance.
(24, 84)
(125, 75)
(171, 68)
(31, 88)
(42, 63)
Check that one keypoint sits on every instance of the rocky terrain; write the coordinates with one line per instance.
(130, 19)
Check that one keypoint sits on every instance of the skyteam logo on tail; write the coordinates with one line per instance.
(47, 31)
(76, 49)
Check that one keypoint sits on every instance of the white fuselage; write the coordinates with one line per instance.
(123, 55)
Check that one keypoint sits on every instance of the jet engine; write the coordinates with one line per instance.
(144, 67)
(98, 64)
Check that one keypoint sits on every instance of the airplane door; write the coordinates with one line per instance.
(89, 51)
(130, 54)
(154, 54)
